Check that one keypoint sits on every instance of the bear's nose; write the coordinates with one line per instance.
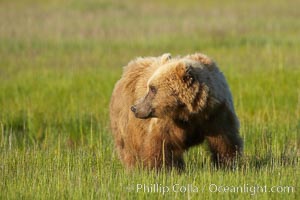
(133, 109)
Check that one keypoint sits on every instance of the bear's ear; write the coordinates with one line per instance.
(165, 58)
(188, 77)
(185, 72)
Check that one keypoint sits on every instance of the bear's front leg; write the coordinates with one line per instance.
(159, 153)
(225, 148)
(222, 134)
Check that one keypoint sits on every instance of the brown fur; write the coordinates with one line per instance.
(177, 103)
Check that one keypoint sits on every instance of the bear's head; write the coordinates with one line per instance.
(173, 91)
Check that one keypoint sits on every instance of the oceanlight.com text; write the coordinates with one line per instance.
(213, 188)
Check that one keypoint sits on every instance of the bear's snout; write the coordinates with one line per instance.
(141, 111)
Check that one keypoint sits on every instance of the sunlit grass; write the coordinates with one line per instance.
(59, 61)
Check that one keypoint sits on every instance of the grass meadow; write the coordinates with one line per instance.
(59, 61)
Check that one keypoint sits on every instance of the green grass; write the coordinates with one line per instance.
(59, 61)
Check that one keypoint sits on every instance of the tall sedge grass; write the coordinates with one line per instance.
(59, 61)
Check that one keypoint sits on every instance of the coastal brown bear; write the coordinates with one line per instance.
(162, 106)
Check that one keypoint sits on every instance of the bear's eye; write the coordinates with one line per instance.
(152, 89)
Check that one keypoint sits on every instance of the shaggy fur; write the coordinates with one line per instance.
(162, 106)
